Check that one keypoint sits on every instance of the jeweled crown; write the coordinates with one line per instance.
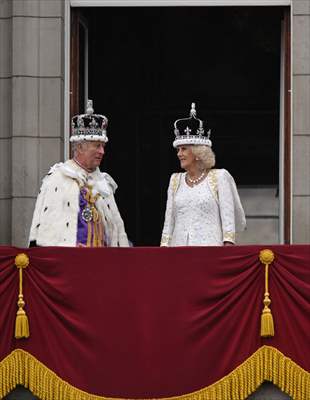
(89, 126)
(191, 131)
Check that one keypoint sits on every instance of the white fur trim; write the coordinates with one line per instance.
(55, 217)
(192, 140)
(81, 138)
(102, 182)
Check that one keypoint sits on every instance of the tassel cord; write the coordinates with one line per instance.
(267, 326)
(21, 322)
(20, 282)
(266, 279)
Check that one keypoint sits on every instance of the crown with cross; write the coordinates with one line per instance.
(190, 131)
(89, 126)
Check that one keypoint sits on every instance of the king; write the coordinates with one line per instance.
(76, 205)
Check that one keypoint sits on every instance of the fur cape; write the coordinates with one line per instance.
(56, 211)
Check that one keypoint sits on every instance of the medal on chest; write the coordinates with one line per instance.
(92, 217)
(89, 212)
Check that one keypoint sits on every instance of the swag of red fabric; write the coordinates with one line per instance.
(154, 322)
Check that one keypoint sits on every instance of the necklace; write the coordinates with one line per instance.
(197, 180)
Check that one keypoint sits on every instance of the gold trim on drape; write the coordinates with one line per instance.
(267, 363)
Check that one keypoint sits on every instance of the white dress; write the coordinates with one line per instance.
(207, 214)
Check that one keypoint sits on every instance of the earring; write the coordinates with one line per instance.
(197, 159)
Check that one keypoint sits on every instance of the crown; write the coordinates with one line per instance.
(190, 131)
(89, 126)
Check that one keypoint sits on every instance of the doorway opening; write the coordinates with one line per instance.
(146, 65)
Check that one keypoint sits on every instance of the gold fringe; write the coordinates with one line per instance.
(267, 363)
(21, 322)
(267, 327)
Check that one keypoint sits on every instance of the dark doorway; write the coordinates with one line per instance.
(148, 64)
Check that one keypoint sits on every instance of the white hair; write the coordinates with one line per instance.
(77, 144)
(204, 155)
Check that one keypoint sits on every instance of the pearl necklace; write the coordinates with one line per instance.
(197, 180)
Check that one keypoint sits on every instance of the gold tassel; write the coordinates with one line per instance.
(21, 323)
(267, 327)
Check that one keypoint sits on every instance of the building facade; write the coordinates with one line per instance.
(35, 106)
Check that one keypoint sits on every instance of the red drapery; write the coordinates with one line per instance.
(154, 322)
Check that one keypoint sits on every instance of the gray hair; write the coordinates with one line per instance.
(204, 155)
(76, 145)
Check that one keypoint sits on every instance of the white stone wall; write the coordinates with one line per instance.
(31, 107)
(31, 110)
(261, 206)
(5, 121)
(301, 121)
(31, 115)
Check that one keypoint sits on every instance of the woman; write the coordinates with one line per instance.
(203, 205)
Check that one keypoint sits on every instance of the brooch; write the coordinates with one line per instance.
(87, 214)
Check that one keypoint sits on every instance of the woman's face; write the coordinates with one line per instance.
(186, 157)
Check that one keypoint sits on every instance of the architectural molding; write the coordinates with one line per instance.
(67, 126)
(165, 3)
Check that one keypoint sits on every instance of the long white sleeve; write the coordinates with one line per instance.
(232, 214)
(169, 215)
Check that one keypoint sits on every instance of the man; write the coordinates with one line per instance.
(76, 205)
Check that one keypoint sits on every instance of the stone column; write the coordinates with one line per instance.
(5, 120)
(32, 130)
(301, 121)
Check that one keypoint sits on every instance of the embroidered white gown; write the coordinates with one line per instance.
(206, 214)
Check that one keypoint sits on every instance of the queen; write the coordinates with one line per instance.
(203, 204)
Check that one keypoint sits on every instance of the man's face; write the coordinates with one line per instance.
(91, 154)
